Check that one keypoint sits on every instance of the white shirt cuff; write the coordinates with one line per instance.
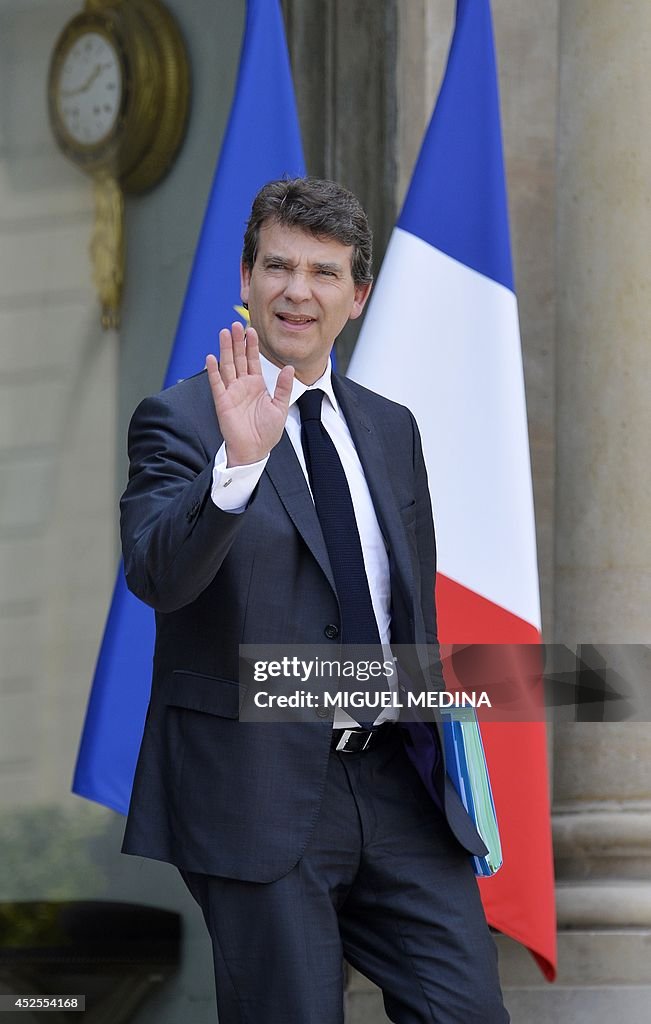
(233, 486)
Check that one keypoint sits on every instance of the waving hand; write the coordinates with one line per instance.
(250, 419)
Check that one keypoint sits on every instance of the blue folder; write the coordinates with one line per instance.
(465, 762)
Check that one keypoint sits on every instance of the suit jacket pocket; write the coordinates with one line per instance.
(197, 692)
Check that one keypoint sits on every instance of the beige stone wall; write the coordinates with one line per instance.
(57, 415)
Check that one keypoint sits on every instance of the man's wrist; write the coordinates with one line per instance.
(233, 487)
(235, 459)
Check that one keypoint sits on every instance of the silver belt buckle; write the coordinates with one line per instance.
(343, 739)
(342, 742)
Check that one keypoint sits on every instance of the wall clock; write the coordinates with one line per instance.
(118, 94)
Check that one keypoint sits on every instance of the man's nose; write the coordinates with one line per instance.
(298, 287)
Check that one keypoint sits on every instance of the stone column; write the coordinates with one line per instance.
(602, 772)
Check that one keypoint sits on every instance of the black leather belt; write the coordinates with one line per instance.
(354, 741)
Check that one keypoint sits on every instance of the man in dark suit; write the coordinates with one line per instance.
(271, 501)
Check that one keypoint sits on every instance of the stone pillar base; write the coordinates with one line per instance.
(603, 976)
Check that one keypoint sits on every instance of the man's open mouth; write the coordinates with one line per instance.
(295, 319)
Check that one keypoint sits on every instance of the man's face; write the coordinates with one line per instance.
(300, 293)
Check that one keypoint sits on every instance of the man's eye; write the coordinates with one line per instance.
(327, 273)
(275, 266)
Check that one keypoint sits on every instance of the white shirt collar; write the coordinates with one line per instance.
(270, 373)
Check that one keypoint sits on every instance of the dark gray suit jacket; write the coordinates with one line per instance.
(213, 794)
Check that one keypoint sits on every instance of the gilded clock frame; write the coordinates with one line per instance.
(155, 98)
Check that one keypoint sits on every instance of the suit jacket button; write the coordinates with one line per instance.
(322, 712)
(331, 631)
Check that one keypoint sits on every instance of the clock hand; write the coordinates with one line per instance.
(97, 70)
(69, 93)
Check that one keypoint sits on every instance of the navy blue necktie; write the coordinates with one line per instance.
(334, 507)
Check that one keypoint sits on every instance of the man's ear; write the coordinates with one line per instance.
(245, 282)
(362, 292)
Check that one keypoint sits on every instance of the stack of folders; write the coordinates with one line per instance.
(466, 765)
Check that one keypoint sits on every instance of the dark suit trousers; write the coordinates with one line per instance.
(382, 882)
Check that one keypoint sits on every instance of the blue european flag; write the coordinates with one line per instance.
(262, 142)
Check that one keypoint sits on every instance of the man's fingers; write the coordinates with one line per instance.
(226, 364)
(239, 349)
(253, 351)
(284, 383)
(239, 357)
(214, 376)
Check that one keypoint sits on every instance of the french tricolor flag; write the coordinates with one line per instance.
(441, 336)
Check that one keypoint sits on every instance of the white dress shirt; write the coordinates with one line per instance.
(232, 488)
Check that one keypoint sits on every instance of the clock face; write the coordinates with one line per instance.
(89, 89)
